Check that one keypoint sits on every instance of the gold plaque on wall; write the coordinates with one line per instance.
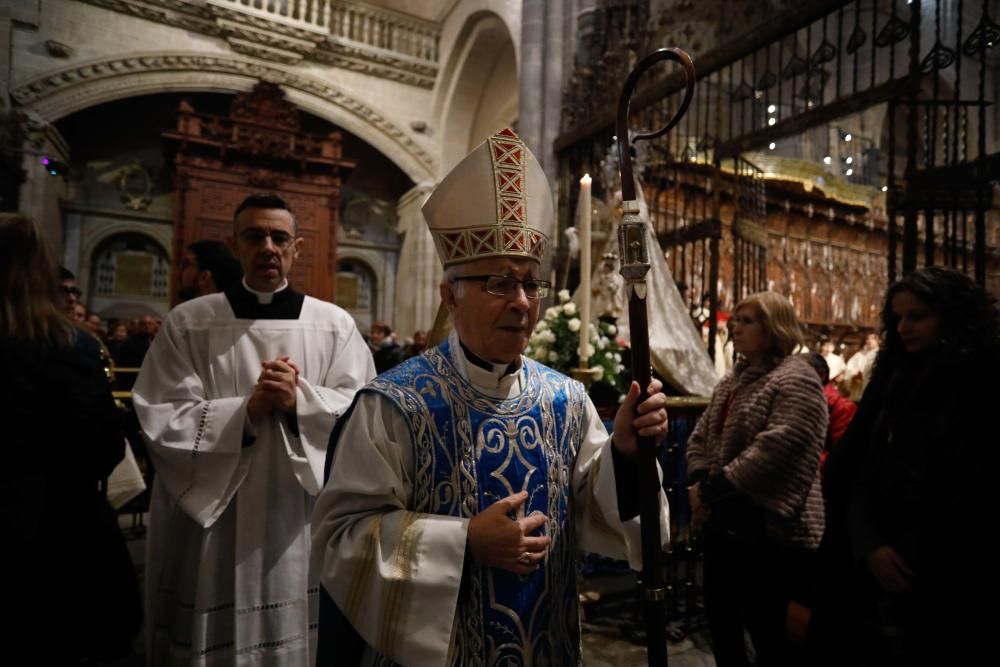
(347, 291)
(133, 274)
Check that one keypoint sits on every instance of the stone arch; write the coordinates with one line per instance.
(96, 236)
(370, 268)
(94, 274)
(478, 88)
(60, 93)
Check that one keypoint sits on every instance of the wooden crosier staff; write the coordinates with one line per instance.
(635, 265)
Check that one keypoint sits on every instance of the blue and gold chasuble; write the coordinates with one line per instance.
(470, 450)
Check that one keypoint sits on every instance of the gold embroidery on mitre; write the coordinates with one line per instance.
(510, 234)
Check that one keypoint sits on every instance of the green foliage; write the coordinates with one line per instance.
(556, 342)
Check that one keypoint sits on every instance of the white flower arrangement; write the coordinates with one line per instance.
(556, 339)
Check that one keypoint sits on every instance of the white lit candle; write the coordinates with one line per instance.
(586, 205)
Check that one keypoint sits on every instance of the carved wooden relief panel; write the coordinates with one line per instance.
(220, 160)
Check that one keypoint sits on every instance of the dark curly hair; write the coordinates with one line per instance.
(968, 316)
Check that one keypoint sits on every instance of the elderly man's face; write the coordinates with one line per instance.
(496, 328)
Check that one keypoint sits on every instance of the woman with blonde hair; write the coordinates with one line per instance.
(753, 471)
(64, 559)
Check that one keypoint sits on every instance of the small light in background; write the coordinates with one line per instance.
(849, 172)
(849, 159)
(772, 120)
(53, 166)
(885, 188)
(771, 108)
(827, 160)
(848, 137)
(770, 146)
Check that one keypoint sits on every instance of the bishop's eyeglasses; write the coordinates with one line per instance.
(507, 285)
(256, 236)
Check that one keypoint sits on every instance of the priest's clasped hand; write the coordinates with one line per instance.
(651, 420)
(496, 540)
(275, 388)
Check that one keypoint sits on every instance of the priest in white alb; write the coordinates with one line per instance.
(464, 481)
(237, 398)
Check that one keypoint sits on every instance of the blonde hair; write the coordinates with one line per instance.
(30, 309)
(784, 333)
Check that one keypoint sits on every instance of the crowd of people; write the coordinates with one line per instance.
(885, 544)
(323, 497)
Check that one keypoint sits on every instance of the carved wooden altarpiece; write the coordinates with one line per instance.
(259, 147)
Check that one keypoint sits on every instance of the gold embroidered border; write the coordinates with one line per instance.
(362, 575)
(507, 153)
(399, 587)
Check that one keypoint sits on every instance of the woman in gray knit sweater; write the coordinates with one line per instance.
(753, 462)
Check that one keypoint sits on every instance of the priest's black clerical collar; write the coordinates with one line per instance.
(476, 360)
(286, 303)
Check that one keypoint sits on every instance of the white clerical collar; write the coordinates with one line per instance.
(264, 298)
(498, 379)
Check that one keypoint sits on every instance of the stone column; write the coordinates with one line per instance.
(41, 192)
(532, 101)
(6, 29)
(419, 272)
(552, 110)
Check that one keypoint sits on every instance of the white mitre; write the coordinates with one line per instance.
(494, 203)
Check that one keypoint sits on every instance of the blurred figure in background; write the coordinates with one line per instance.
(418, 345)
(68, 289)
(833, 360)
(841, 409)
(385, 350)
(78, 313)
(67, 575)
(859, 368)
(206, 268)
(95, 325)
(134, 350)
(753, 461)
(116, 339)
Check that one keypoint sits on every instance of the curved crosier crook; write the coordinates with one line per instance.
(632, 240)
(621, 126)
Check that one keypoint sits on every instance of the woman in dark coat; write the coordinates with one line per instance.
(914, 481)
(69, 584)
